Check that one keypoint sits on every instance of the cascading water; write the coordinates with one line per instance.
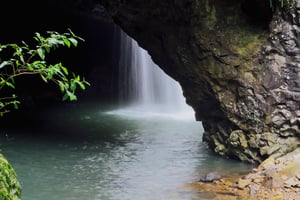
(144, 87)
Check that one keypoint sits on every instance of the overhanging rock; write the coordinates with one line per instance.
(241, 76)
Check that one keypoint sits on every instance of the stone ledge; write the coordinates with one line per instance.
(273, 179)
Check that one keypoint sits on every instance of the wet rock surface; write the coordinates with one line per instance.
(210, 177)
(275, 178)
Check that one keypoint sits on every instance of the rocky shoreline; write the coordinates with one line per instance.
(273, 179)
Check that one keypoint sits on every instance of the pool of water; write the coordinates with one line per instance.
(91, 152)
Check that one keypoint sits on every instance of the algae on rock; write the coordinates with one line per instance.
(10, 188)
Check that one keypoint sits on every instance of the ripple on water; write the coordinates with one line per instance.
(111, 157)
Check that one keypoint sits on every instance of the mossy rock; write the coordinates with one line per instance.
(10, 188)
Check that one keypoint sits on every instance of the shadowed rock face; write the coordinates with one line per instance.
(238, 67)
(241, 79)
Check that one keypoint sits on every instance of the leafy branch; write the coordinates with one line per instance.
(25, 60)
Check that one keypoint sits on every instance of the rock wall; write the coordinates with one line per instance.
(239, 70)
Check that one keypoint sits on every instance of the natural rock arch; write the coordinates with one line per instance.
(239, 73)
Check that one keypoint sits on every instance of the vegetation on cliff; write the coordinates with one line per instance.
(21, 60)
(10, 188)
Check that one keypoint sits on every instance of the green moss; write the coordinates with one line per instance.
(246, 43)
(211, 15)
(10, 188)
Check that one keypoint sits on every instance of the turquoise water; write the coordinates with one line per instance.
(92, 152)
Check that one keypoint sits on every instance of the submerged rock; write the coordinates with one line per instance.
(210, 177)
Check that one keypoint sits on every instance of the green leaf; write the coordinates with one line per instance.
(22, 59)
(62, 86)
(38, 37)
(30, 67)
(44, 78)
(64, 69)
(67, 42)
(9, 84)
(3, 64)
(16, 104)
(81, 85)
(73, 86)
(3, 46)
(47, 48)
(71, 32)
(53, 41)
(65, 97)
(41, 53)
(55, 69)
(72, 96)
(74, 41)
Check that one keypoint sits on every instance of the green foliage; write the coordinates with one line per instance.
(25, 60)
(10, 188)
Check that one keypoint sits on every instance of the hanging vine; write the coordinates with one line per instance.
(272, 3)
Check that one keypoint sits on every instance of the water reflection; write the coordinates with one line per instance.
(85, 153)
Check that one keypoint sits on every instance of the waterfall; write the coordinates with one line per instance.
(143, 86)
